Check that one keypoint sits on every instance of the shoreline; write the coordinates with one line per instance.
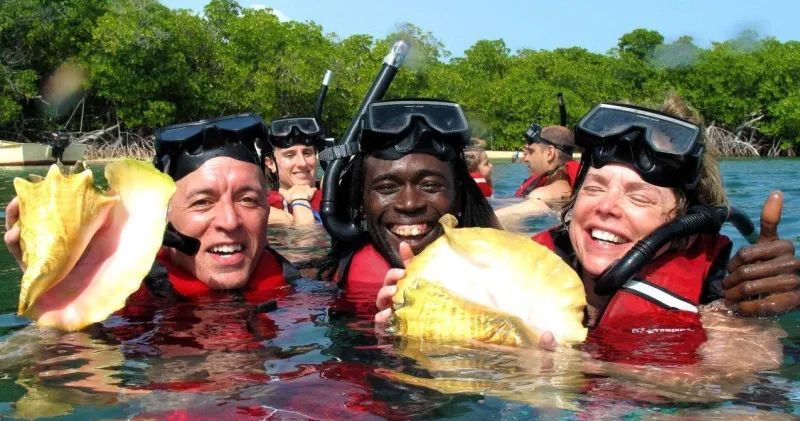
(508, 154)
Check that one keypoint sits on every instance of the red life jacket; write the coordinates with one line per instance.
(654, 318)
(535, 181)
(362, 278)
(266, 280)
(483, 184)
(277, 201)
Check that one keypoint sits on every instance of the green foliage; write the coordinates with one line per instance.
(36, 36)
(148, 66)
(640, 43)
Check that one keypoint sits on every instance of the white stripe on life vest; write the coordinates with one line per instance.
(479, 180)
(659, 295)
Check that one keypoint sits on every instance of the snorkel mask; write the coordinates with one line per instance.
(393, 129)
(665, 151)
(287, 132)
(183, 148)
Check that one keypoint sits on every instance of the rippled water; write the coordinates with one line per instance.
(311, 358)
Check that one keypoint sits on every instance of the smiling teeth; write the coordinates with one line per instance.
(607, 236)
(410, 230)
(227, 249)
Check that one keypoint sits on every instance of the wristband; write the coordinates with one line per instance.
(300, 200)
(302, 205)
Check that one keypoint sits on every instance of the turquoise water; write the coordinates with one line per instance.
(312, 359)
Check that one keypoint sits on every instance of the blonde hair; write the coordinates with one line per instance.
(710, 190)
(473, 154)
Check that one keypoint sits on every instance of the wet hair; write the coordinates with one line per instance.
(709, 190)
(473, 211)
(472, 155)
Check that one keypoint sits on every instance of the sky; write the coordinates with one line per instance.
(540, 25)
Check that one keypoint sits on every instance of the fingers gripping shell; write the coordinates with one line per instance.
(488, 285)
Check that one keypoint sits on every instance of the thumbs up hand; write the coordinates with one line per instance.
(763, 278)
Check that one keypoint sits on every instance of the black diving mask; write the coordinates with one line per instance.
(665, 151)
(182, 148)
(393, 129)
(287, 132)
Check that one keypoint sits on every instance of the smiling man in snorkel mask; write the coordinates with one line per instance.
(216, 237)
(409, 172)
(220, 202)
(291, 157)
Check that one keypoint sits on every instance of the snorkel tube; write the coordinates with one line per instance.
(562, 110)
(318, 105)
(323, 92)
(699, 219)
(346, 230)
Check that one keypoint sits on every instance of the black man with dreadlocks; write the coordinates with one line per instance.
(410, 171)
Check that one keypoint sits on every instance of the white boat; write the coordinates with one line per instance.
(15, 153)
(74, 152)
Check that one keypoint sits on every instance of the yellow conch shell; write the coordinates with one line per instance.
(491, 286)
(115, 235)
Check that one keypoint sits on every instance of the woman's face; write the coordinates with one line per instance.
(613, 210)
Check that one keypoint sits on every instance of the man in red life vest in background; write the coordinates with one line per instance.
(548, 154)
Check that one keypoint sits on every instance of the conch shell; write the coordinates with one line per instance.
(491, 286)
(115, 235)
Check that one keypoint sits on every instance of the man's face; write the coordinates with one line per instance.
(295, 165)
(222, 204)
(404, 199)
(536, 156)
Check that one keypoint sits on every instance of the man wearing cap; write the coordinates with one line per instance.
(548, 154)
(291, 158)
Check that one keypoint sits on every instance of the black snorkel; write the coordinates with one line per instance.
(699, 219)
(562, 110)
(346, 230)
